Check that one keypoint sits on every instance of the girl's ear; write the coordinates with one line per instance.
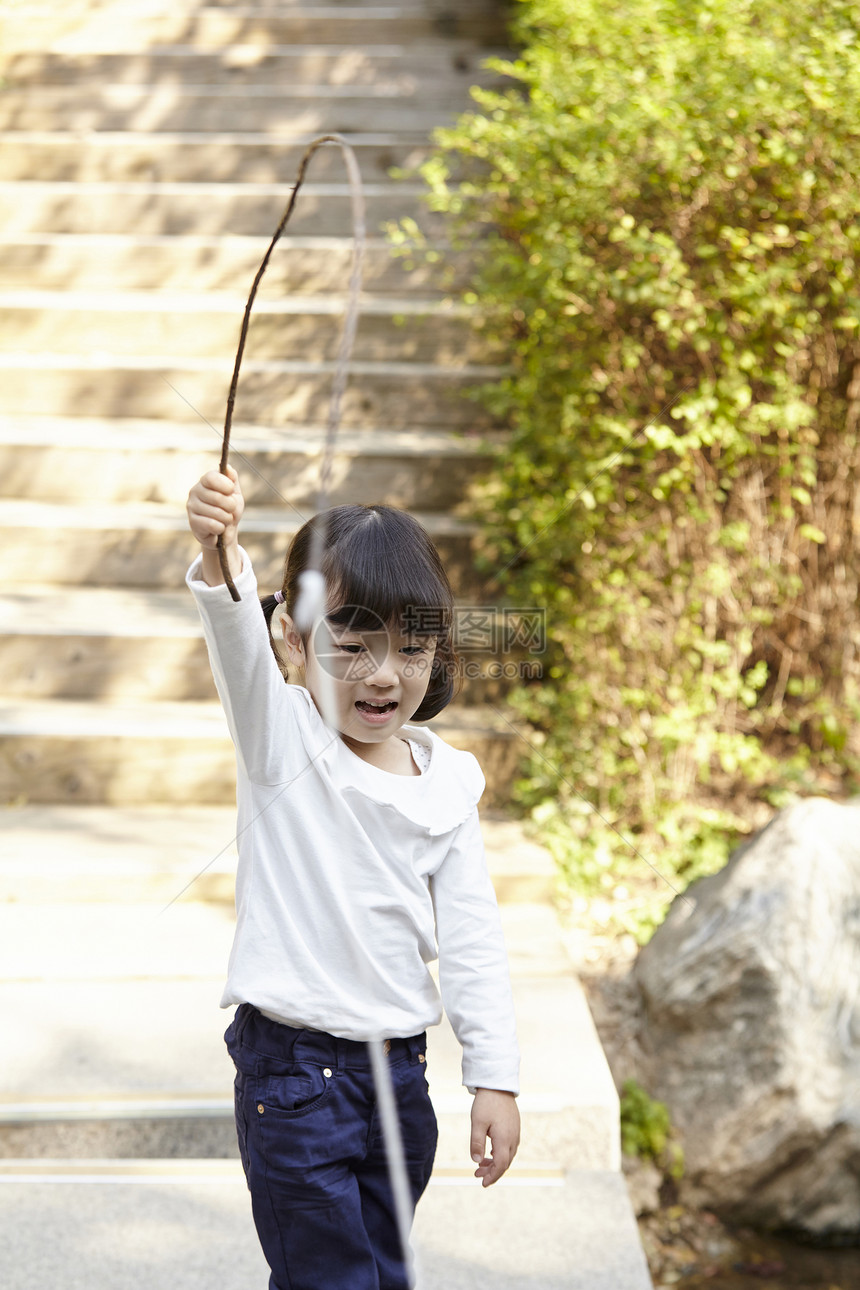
(293, 644)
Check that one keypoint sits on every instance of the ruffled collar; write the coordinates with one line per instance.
(437, 801)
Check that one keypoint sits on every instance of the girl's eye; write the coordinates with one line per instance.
(350, 649)
(413, 650)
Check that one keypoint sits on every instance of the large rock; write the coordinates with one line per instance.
(752, 1025)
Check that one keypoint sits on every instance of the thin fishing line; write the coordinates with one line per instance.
(191, 881)
(310, 613)
(245, 829)
(236, 453)
(252, 821)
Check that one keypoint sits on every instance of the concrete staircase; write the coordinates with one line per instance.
(147, 152)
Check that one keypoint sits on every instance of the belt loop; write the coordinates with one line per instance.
(244, 1013)
(342, 1046)
(293, 1036)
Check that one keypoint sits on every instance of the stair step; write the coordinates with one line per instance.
(51, 651)
(237, 157)
(153, 385)
(120, 645)
(577, 1127)
(137, 988)
(388, 69)
(97, 855)
(149, 545)
(436, 9)
(102, 643)
(176, 209)
(120, 28)
(224, 263)
(198, 324)
(579, 1236)
(539, 1233)
(78, 459)
(94, 753)
(201, 1169)
(117, 943)
(150, 107)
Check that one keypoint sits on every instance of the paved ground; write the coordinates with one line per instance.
(116, 1130)
(193, 1231)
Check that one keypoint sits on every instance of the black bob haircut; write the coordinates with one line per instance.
(381, 570)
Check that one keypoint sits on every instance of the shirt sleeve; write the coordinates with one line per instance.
(273, 736)
(473, 968)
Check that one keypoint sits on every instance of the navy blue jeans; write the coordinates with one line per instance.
(313, 1152)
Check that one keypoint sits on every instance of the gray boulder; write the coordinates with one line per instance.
(751, 1030)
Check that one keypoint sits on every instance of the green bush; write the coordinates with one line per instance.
(646, 1130)
(669, 249)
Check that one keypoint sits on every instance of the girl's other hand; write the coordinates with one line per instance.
(215, 506)
(495, 1114)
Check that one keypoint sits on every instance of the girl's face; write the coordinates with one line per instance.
(376, 679)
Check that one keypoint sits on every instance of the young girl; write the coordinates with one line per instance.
(360, 862)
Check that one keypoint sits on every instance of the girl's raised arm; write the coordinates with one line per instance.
(215, 506)
(249, 682)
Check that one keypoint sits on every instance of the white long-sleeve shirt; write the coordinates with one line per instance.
(351, 879)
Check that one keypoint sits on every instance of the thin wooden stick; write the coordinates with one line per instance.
(347, 335)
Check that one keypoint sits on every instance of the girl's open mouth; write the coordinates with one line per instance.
(375, 711)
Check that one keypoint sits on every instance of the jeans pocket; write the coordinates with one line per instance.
(293, 1090)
